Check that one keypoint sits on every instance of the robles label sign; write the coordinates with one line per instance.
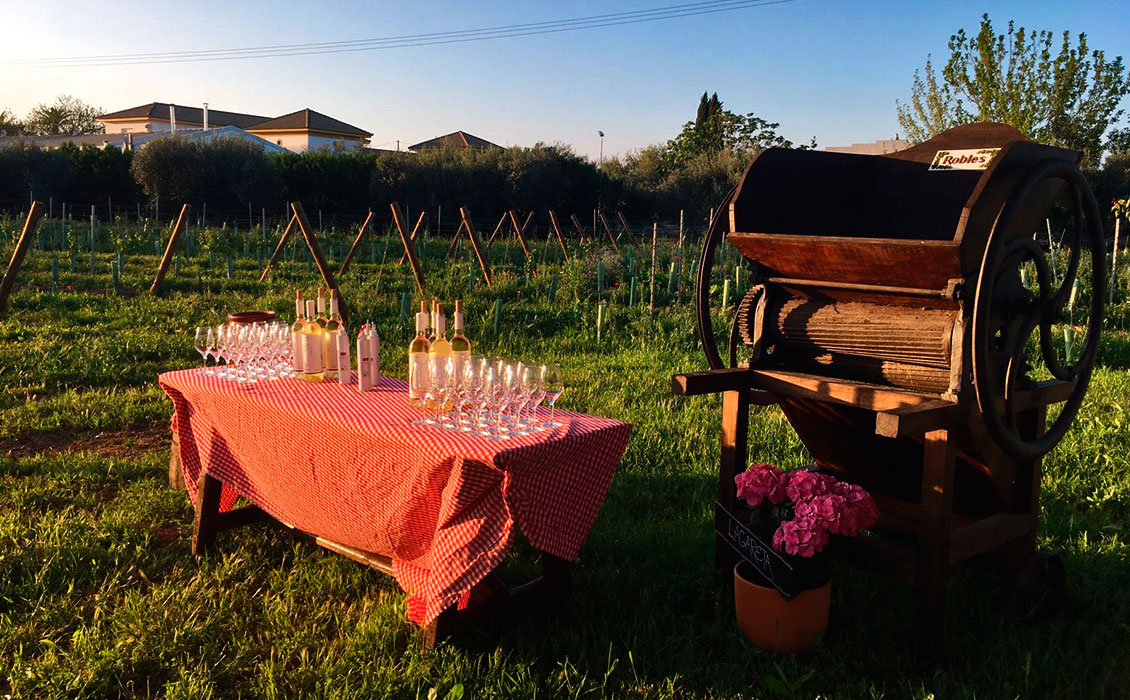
(964, 159)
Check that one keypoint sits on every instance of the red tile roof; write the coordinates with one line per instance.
(456, 139)
(308, 119)
(160, 111)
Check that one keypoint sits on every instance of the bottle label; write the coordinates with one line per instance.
(417, 366)
(345, 370)
(364, 376)
(329, 351)
(312, 353)
(296, 351)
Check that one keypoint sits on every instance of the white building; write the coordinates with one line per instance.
(299, 132)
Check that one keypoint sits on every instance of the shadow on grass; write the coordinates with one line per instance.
(648, 612)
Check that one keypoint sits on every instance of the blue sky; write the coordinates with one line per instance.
(821, 68)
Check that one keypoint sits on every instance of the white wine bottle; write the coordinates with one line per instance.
(329, 339)
(440, 345)
(311, 347)
(321, 319)
(296, 334)
(418, 358)
(432, 321)
(460, 346)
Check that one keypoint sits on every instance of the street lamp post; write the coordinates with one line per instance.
(600, 162)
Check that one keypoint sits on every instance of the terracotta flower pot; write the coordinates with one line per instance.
(776, 624)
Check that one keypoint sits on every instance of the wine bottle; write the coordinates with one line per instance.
(296, 334)
(329, 339)
(432, 321)
(364, 361)
(440, 345)
(344, 367)
(460, 346)
(418, 356)
(311, 347)
(321, 317)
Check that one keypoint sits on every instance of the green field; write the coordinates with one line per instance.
(100, 596)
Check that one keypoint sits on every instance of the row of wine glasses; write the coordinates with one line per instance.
(251, 352)
(491, 397)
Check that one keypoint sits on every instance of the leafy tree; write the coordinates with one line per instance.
(68, 116)
(1119, 141)
(716, 129)
(1067, 98)
(9, 124)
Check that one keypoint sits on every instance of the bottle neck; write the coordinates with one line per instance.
(309, 309)
(458, 323)
(441, 326)
(421, 323)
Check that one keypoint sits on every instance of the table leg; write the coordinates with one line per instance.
(176, 469)
(207, 513)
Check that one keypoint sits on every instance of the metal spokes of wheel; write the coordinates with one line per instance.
(1005, 314)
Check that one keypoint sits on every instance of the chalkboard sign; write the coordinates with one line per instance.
(765, 561)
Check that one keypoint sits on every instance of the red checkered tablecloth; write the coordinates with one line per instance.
(350, 467)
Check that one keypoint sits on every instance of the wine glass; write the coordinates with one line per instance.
(221, 353)
(553, 384)
(421, 384)
(491, 390)
(532, 396)
(453, 395)
(203, 341)
(437, 367)
(472, 392)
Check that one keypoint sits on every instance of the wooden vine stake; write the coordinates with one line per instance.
(415, 232)
(608, 230)
(624, 228)
(497, 228)
(356, 244)
(578, 226)
(30, 225)
(557, 230)
(483, 264)
(455, 240)
(519, 230)
(170, 249)
(278, 249)
(409, 251)
(311, 237)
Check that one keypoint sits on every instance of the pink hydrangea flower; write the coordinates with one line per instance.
(801, 485)
(759, 483)
(821, 505)
(803, 538)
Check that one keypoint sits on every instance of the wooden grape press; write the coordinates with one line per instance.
(908, 315)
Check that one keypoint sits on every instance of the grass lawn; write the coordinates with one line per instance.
(100, 596)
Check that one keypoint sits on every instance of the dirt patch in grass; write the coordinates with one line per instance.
(116, 443)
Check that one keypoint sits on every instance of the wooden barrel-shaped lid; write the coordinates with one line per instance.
(251, 317)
